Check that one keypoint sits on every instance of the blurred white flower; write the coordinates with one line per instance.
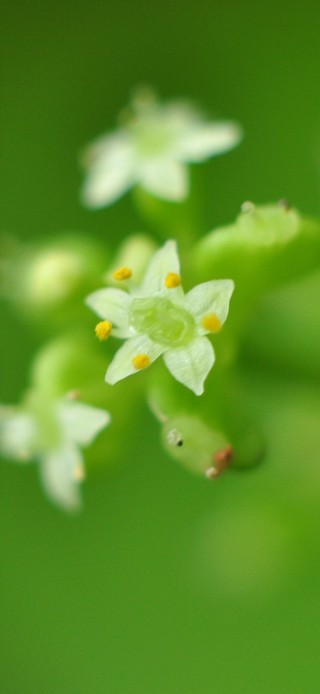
(53, 433)
(151, 149)
(158, 318)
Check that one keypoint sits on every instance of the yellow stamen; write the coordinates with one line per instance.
(172, 280)
(103, 330)
(211, 322)
(141, 361)
(23, 455)
(123, 273)
(78, 473)
(73, 394)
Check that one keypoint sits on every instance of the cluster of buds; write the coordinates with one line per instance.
(144, 304)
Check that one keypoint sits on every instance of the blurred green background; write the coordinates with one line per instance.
(165, 584)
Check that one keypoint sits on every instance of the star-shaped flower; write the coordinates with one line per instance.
(158, 318)
(151, 148)
(53, 433)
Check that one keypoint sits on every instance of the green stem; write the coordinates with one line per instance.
(179, 220)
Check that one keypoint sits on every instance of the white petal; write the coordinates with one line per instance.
(81, 423)
(17, 434)
(61, 472)
(191, 365)
(110, 165)
(165, 178)
(122, 366)
(180, 116)
(210, 297)
(165, 260)
(207, 140)
(112, 305)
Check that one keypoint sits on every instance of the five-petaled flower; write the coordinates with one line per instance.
(151, 149)
(158, 318)
(53, 433)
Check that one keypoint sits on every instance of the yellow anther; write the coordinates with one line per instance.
(141, 361)
(172, 280)
(103, 330)
(73, 394)
(78, 473)
(211, 322)
(123, 273)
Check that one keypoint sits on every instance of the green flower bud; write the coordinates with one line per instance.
(210, 450)
(49, 282)
(201, 449)
(211, 436)
(67, 363)
(266, 247)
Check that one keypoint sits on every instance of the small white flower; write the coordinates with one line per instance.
(151, 149)
(53, 433)
(158, 318)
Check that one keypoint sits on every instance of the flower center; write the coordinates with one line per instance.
(164, 322)
(151, 137)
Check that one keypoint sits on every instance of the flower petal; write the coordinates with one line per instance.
(81, 423)
(122, 365)
(210, 297)
(164, 261)
(17, 434)
(164, 178)
(190, 365)
(112, 305)
(207, 140)
(61, 472)
(110, 170)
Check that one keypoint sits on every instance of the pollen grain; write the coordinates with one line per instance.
(172, 280)
(211, 322)
(140, 361)
(123, 273)
(103, 330)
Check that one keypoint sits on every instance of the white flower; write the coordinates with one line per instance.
(52, 433)
(158, 318)
(151, 149)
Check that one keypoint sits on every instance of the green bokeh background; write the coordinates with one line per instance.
(165, 584)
